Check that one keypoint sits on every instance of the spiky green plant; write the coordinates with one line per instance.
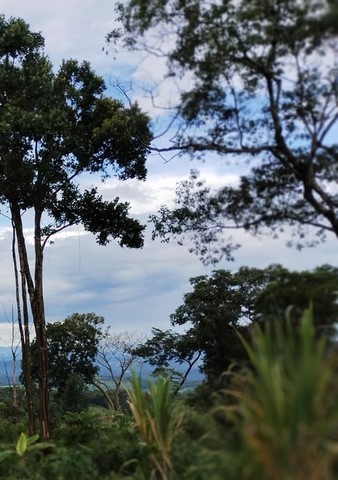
(158, 421)
(287, 404)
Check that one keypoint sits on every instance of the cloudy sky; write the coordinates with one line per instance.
(133, 290)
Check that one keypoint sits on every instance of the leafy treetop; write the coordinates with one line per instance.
(263, 76)
(56, 126)
(73, 346)
(225, 303)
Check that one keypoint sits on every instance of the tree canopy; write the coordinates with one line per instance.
(227, 303)
(55, 126)
(263, 94)
(216, 308)
(296, 290)
(73, 346)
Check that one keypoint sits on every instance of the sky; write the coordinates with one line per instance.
(133, 290)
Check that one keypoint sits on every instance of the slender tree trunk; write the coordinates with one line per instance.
(12, 382)
(102, 387)
(14, 360)
(27, 357)
(24, 338)
(40, 329)
(37, 308)
(39, 322)
(185, 376)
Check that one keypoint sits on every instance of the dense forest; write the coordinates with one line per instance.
(263, 91)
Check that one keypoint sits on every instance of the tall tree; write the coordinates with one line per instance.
(53, 128)
(216, 307)
(263, 92)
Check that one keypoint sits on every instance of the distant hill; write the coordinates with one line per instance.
(6, 362)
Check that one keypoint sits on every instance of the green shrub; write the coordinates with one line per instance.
(106, 438)
(157, 420)
(287, 409)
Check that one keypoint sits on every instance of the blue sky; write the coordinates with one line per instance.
(133, 290)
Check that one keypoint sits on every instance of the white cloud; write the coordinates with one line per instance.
(159, 189)
(6, 335)
(72, 28)
(127, 287)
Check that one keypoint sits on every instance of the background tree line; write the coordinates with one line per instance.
(219, 310)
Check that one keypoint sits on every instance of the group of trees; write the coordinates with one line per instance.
(72, 349)
(263, 91)
(228, 303)
(219, 308)
(277, 420)
(82, 353)
(55, 126)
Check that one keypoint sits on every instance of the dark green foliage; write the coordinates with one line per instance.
(16, 40)
(203, 398)
(72, 350)
(55, 126)
(12, 417)
(88, 445)
(294, 291)
(74, 395)
(214, 309)
(213, 312)
(226, 303)
(109, 439)
(276, 420)
(263, 94)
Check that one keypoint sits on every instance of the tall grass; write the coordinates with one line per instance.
(288, 403)
(157, 421)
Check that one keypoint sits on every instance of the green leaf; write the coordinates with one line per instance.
(21, 445)
(43, 446)
(32, 439)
